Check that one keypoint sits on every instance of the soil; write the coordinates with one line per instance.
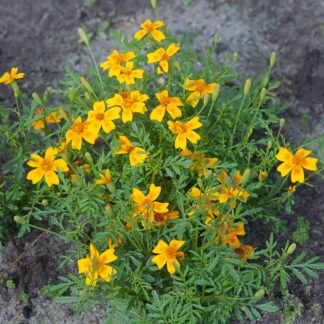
(40, 36)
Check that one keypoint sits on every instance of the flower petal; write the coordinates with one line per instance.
(297, 174)
(162, 247)
(51, 178)
(35, 175)
(309, 163)
(284, 155)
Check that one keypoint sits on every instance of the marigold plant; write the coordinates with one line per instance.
(166, 166)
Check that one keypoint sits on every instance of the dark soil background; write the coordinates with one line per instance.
(40, 36)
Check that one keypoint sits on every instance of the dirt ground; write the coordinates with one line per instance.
(40, 36)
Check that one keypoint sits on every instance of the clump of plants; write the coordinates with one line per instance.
(155, 170)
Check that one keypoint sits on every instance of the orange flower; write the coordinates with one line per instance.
(96, 265)
(105, 178)
(128, 75)
(231, 190)
(244, 252)
(162, 56)
(149, 28)
(10, 77)
(147, 205)
(100, 117)
(168, 254)
(229, 233)
(295, 163)
(114, 62)
(162, 218)
(199, 90)
(137, 155)
(199, 162)
(46, 167)
(169, 104)
(133, 102)
(185, 131)
(80, 130)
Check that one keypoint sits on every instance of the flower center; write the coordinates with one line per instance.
(165, 101)
(298, 159)
(158, 217)
(165, 56)
(100, 116)
(171, 252)
(47, 165)
(200, 86)
(78, 127)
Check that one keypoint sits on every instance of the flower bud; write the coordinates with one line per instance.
(206, 98)
(235, 57)
(260, 293)
(18, 219)
(88, 157)
(45, 202)
(246, 176)
(265, 81)
(215, 92)
(216, 39)
(153, 3)
(111, 187)
(263, 93)
(282, 122)
(269, 145)
(83, 36)
(273, 58)
(292, 248)
(247, 87)
(262, 175)
(37, 98)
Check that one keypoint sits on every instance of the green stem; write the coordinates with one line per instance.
(237, 119)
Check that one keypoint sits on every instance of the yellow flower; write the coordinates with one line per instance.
(9, 77)
(137, 155)
(169, 104)
(54, 117)
(133, 102)
(199, 162)
(162, 218)
(168, 254)
(80, 130)
(244, 252)
(162, 56)
(295, 163)
(150, 28)
(114, 62)
(99, 117)
(291, 189)
(146, 205)
(128, 75)
(228, 233)
(105, 178)
(46, 167)
(206, 203)
(230, 191)
(96, 265)
(262, 175)
(199, 90)
(185, 131)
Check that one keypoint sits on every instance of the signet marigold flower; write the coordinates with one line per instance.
(80, 130)
(244, 252)
(295, 163)
(161, 218)
(95, 265)
(199, 90)
(147, 205)
(128, 75)
(162, 56)
(46, 167)
(149, 28)
(199, 162)
(54, 117)
(228, 233)
(105, 178)
(100, 117)
(168, 254)
(137, 155)
(10, 77)
(185, 132)
(114, 62)
(133, 102)
(169, 104)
